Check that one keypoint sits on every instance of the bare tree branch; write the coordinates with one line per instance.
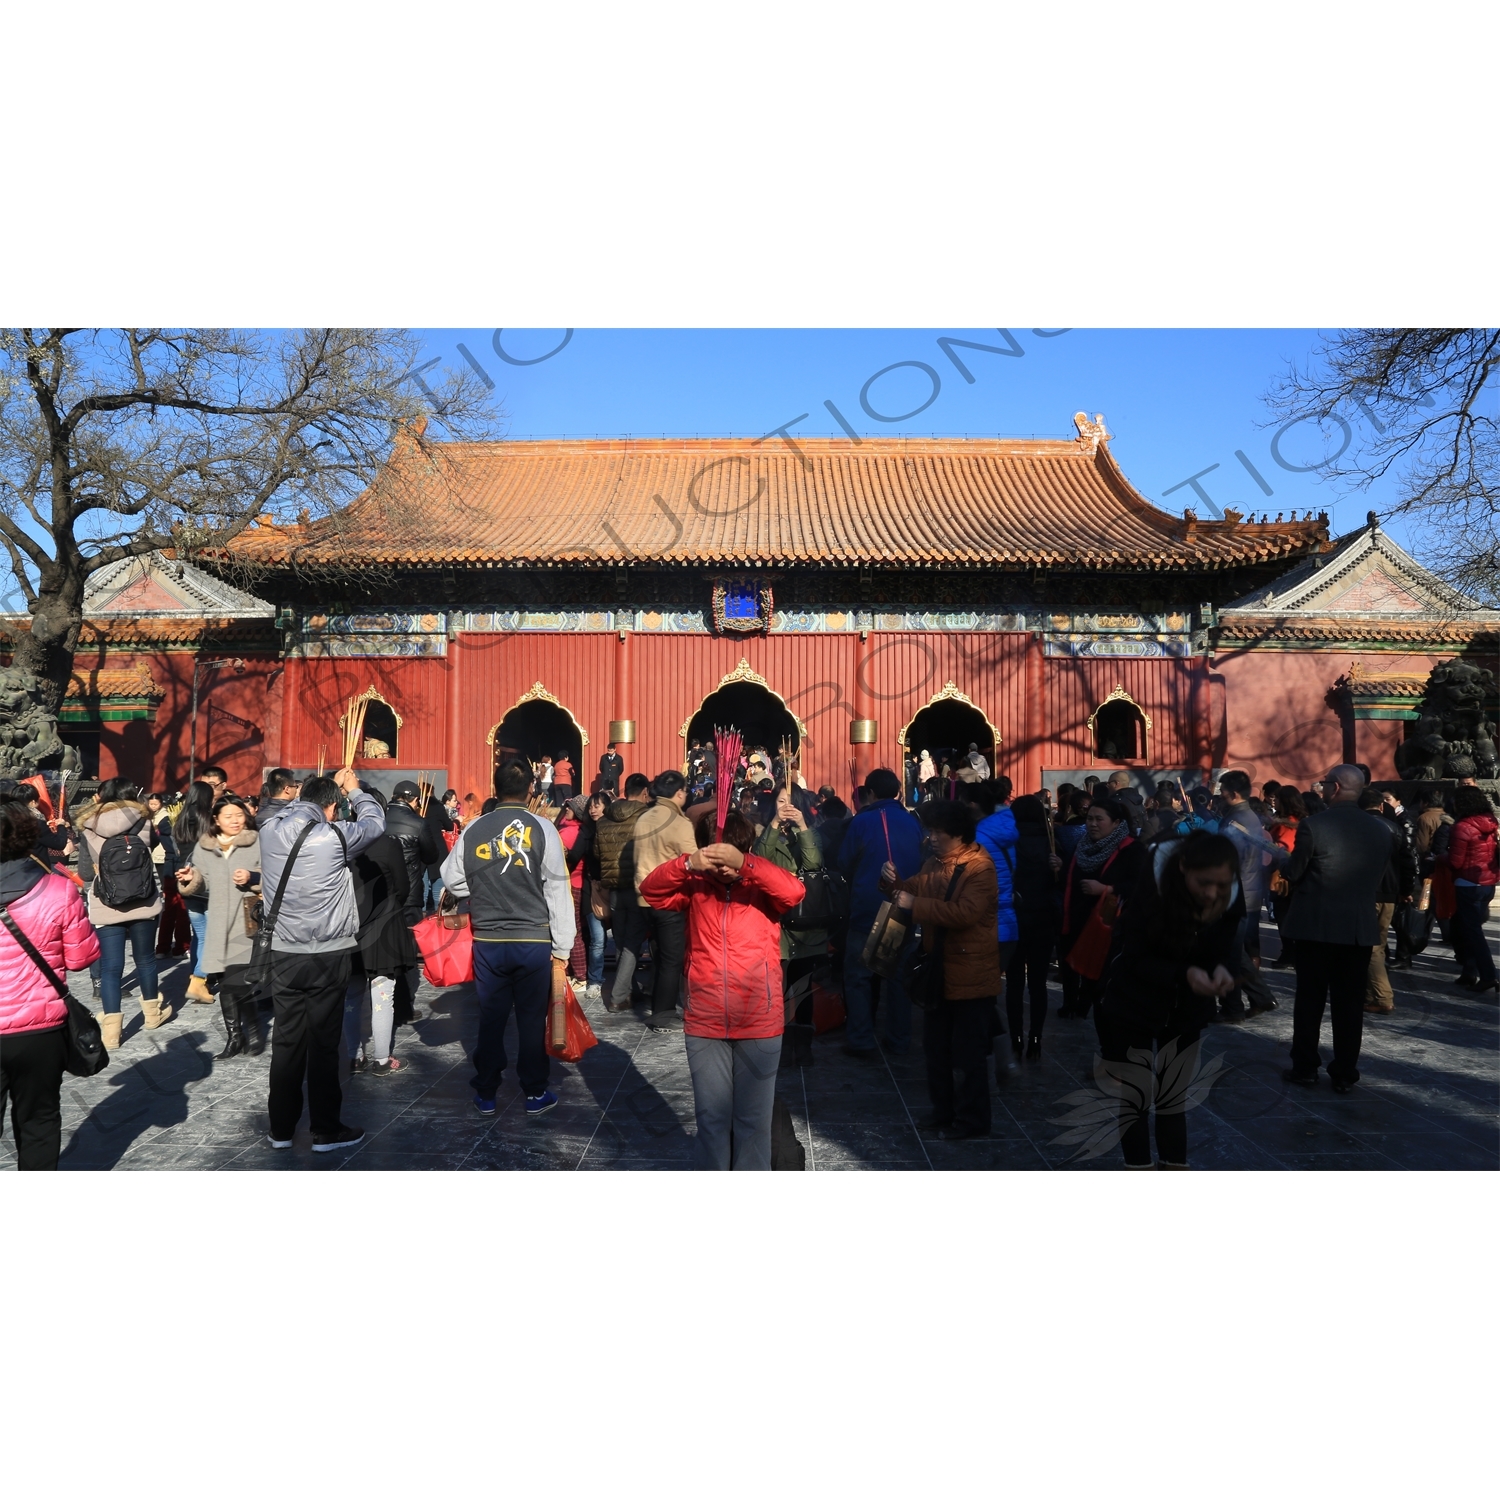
(1424, 403)
(119, 442)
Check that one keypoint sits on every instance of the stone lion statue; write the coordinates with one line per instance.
(28, 733)
(1453, 736)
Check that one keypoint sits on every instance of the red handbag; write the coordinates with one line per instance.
(1090, 950)
(569, 1034)
(447, 948)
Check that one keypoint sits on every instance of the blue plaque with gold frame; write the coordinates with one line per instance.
(742, 605)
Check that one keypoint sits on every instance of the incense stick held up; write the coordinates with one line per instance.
(727, 746)
(354, 729)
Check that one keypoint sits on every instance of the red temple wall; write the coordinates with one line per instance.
(155, 754)
(1280, 724)
(1266, 712)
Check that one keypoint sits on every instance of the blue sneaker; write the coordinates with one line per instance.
(484, 1106)
(539, 1104)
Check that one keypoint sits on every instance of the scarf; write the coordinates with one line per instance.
(1091, 856)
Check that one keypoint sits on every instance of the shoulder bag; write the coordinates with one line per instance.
(1090, 949)
(86, 1054)
(258, 970)
(924, 970)
(825, 899)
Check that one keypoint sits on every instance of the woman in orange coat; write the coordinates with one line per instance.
(956, 892)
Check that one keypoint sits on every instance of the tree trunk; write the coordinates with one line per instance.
(46, 650)
(33, 686)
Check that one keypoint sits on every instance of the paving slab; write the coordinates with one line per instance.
(1429, 1098)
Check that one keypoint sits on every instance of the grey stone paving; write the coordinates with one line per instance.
(1430, 1099)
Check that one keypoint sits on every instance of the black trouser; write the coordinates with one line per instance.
(1115, 1040)
(667, 946)
(1079, 992)
(512, 976)
(1333, 974)
(31, 1070)
(796, 1040)
(1469, 941)
(1028, 970)
(956, 1036)
(308, 990)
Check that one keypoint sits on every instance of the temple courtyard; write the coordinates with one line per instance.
(1429, 1098)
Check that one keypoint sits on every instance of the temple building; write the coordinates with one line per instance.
(863, 598)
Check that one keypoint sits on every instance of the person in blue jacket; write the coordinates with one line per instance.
(882, 830)
(998, 838)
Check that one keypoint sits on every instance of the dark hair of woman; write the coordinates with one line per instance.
(1289, 802)
(1030, 813)
(1178, 915)
(1470, 802)
(1114, 811)
(956, 819)
(119, 789)
(738, 830)
(196, 817)
(230, 801)
(19, 829)
(1078, 805)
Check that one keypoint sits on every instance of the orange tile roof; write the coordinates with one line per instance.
(187, 630)
(1333, 628)
(948, 502)
(112, 682)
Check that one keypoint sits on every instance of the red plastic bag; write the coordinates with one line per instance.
(451, 836)
(1444, 894)
(828, 1012)
(447, 948)
(569, 1034)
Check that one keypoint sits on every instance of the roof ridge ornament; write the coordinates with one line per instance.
(1093, 433)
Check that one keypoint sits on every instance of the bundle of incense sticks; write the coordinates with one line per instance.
(354, 729)
(322, 759)
(426, 788)
(727, 746)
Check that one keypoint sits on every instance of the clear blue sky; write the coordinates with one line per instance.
(1176, 400)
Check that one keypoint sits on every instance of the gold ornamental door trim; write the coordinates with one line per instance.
(950, 693)
(744, 672)
(536, 693)
(1117, 694)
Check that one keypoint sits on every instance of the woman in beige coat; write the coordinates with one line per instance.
(225, 866)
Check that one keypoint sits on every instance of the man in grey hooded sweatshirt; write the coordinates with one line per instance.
(316, 933)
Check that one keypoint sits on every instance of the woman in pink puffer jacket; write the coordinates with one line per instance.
(33, 1017)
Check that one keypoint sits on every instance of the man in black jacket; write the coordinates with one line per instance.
(421, 848)
(419, 841)
(1337, 864)
(385, 956)
(611, 769)
(1394, 892)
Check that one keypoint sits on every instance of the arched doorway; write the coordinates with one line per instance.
(1120, 728)
(744, 701)
(945, 727)
(537, 724)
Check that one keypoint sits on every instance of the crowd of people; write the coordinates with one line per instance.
(728, 925)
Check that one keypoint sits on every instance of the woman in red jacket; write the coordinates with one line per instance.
(1473, 857)
(33, 1017)
(731, 981)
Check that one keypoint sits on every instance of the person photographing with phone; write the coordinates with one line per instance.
(792, 846)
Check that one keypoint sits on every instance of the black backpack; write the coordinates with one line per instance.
(124, 876)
